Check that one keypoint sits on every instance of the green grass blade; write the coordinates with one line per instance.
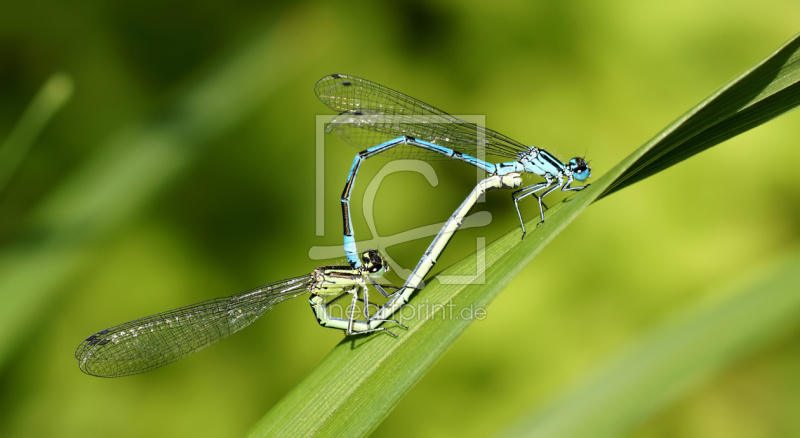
(53, 95)
(361, 380)
(762, 93)
(126, 173)
(676, 357)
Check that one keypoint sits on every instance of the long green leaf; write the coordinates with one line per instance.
(675, 357)
(362, 379)
(762, 93)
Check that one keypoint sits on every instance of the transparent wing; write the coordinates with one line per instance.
(365, 105)
(154, 341)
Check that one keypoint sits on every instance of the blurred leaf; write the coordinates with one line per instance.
(53, 95)
(363, 378)
(664, 365)
(123, 175)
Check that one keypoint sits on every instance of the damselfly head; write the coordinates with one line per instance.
(579, 168)
(374, 262)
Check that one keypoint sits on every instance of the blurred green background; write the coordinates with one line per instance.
(158, 184)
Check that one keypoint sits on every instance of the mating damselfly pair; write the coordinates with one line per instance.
(413, 128)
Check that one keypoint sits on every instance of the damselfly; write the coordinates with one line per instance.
(148, 343)
(153, 341)
(401, 126)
